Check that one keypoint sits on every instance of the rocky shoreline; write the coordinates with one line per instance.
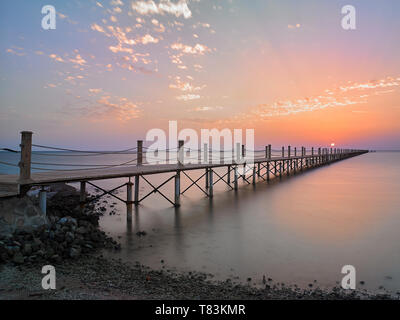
(97, 278)
(72, 243)
(68, 233)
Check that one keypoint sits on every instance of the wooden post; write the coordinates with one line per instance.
(26, 155)
(129, 202)
(243, 151)
(207, 176)
(280, 169)
(139, 152)
(288, 152)
(205, 150)
(181, 152)
(295, 151)
(229, 175)
(178, 189)
(210, 179)
(268, 171)
(283, 152)
(82, 199)
(266, 152)
(43, 200)
(254, 174)
(258, 170)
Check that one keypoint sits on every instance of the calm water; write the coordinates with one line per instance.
(302, 229)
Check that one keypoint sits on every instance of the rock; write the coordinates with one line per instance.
(81, 230)
(69, 237)
(18, 258)
(74, 252)
(27, 249)
(56, 258)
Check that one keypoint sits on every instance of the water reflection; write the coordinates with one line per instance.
(300, 229)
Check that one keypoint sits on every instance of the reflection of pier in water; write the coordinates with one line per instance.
(237, 164)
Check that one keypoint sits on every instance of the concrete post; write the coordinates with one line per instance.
(43, 200)
(129, 202)
(139, 152)
(207, 177)
(211, 189)
(137, 179)
(181, 153)
(177, 189)
(26, 155)
(205, 150)
(82, 199)
(235, 177)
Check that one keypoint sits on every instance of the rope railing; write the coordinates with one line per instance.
(9, 164)
(148, 155)
(82, 151)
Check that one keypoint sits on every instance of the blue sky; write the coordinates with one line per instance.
(114, 69)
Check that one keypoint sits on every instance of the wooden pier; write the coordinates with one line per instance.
(262, 168)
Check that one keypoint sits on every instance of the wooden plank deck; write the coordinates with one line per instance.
(8, 190)
(111, 173)
(9, 184)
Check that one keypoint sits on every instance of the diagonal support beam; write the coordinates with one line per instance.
(222, 179)
(157, 189)
(194, 183)
(110, 192)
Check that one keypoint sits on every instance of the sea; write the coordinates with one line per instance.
(299, 230)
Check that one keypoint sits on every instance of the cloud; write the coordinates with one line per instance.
(116, 3)
(95, 90)
(373, 84)
(185, 86)
(188, 97)
(56, 58)
(16, 51)
(202, 109)
(107, 107)
(78, 60)
(332, 98)
(147, 39)
(164, 6)
(198, 49)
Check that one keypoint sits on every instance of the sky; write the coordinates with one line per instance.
(114, 69)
